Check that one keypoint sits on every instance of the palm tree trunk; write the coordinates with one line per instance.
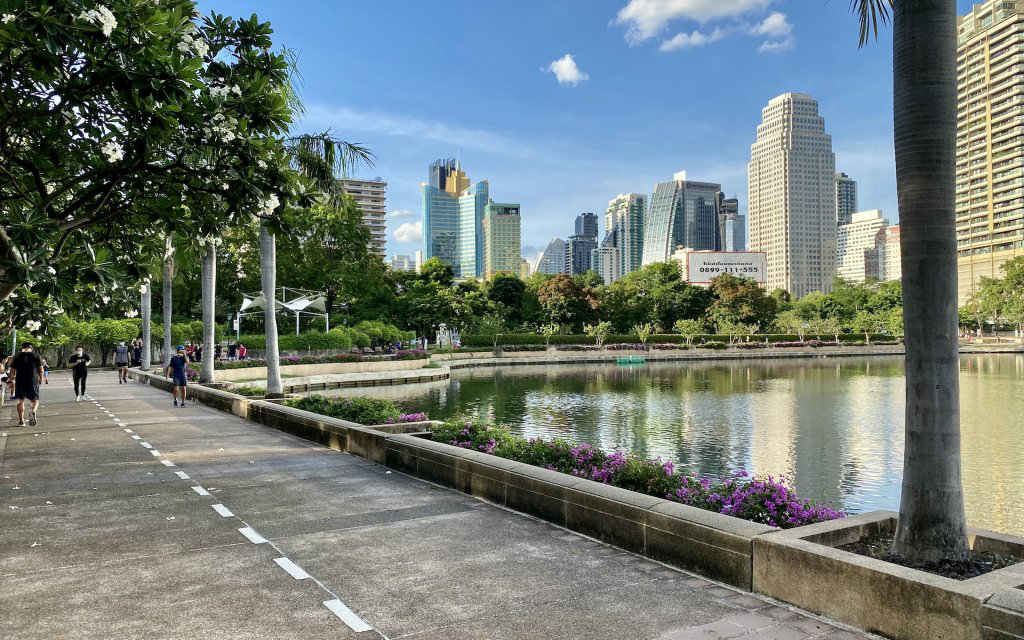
(209, 276)
(268, 274)
(932, 525)
(168, 285)
(147, 325)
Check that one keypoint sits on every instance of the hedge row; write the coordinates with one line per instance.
(512, 340)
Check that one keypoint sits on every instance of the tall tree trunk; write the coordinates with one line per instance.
(147, 325)
(268, 276)
(209, 276)
(168, 285)
(932, 525)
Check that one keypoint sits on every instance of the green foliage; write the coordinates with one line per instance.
(566, 303)
(248, 391)
(654, 294)
(689, 329)
(643, 332)
(364, 411)
(599, 332)
(740, 301)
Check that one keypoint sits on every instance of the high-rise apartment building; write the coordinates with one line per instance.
(682, 213)
(402, 263)
(453, 215)
(791, 182)
(846, 198)
(552, 260)
(732, 227)
(501, 239)
(853, 240)
(990, 147)
(627, 213)
(525, 268)
(883, 261)
(607, 262)
(372, 198)
(579, 246)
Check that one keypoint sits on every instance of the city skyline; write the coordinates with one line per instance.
(564, 148)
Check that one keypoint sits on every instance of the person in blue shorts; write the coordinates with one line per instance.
(176, 371)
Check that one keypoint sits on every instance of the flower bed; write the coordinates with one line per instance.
(364, 411)
(763, 500)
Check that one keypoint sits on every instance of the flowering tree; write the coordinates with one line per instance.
(125, 116)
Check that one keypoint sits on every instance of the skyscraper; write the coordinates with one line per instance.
(627, 214)
(853, 240)
(501, 239)
(732, 227)
(883, 261)
(989, 154)
(552, 260)
(453, 219)
(682, 213)
(372, 198)
(580, 245)
(846, 198)
(791, 182)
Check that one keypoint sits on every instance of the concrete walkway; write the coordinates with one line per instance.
(124, 517)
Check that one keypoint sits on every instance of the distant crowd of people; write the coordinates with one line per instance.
(194, 351)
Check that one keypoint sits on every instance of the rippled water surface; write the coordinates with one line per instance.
(834, 426)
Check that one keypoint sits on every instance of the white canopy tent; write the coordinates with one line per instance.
(300, 302)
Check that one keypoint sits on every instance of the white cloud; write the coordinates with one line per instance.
(695, 39)
(778, 46)
(645, 19)
(566, 71)
(774, 26)
(409, 232)
(400, 213)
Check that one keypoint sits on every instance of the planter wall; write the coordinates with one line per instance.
(800, 566)
(256, 373)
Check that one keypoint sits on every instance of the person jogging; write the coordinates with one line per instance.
(79, 363)
(27, 371)
(176, 371)
(122, 360)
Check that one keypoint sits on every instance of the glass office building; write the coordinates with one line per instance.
(453, 212)
(682, 213)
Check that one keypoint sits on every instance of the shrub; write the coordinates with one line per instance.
(764, 500)
(412, 354)
(365, 411)
(248, 391)
(713, 344)
(408, 417)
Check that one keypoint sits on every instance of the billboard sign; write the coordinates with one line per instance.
(704, 266)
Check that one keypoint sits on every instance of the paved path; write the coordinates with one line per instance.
(123, 517)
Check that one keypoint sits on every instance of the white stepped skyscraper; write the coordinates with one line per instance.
(792, 195)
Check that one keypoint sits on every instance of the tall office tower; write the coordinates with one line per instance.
(525, 269)
(883, 261)
(628, 213)
(501, 238)
(580, 245)
(990, 150)
(846, 198)
(439, 170)
(853, 239)
(418, 257)
(552, 260)
(607, 262)
(732, 227)
(682, 213)
(372, 198)
(791, 183)
(453, 219)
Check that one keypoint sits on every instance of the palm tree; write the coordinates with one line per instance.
(932, 526)
(268, 275)
(168, 286)
(209, 284)
(147, 324)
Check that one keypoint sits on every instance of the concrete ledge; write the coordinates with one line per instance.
(1002, 617)
(801, 567)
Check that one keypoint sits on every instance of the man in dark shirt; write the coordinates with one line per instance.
(27, 371)
(79, 363)
(122, 359)
(176, 371)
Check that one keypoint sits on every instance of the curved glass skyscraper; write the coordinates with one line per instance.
(682, 213)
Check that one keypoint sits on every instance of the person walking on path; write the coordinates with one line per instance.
(137, 353)
(176, 371)
(242, 352)
(46, 371)
(79, 363)
(27, 370)
(122, 360)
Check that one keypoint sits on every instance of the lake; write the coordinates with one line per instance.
(834, 427)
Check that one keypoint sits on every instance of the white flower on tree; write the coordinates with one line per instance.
(131, 313)
(8, 17)
(33, 325)
(100, 16)
(268, 206)
(112, 150)
(52, 271)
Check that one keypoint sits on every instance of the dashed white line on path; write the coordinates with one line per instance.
(135, 437)
(146, 444)
(182, 475)
(167, 463)
(128, 431)
(353, 621)
(251, 534)
(201, 491)
(293, 569)
(222, 510)
(154, 452)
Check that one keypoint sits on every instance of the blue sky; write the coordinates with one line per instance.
(652, 87)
